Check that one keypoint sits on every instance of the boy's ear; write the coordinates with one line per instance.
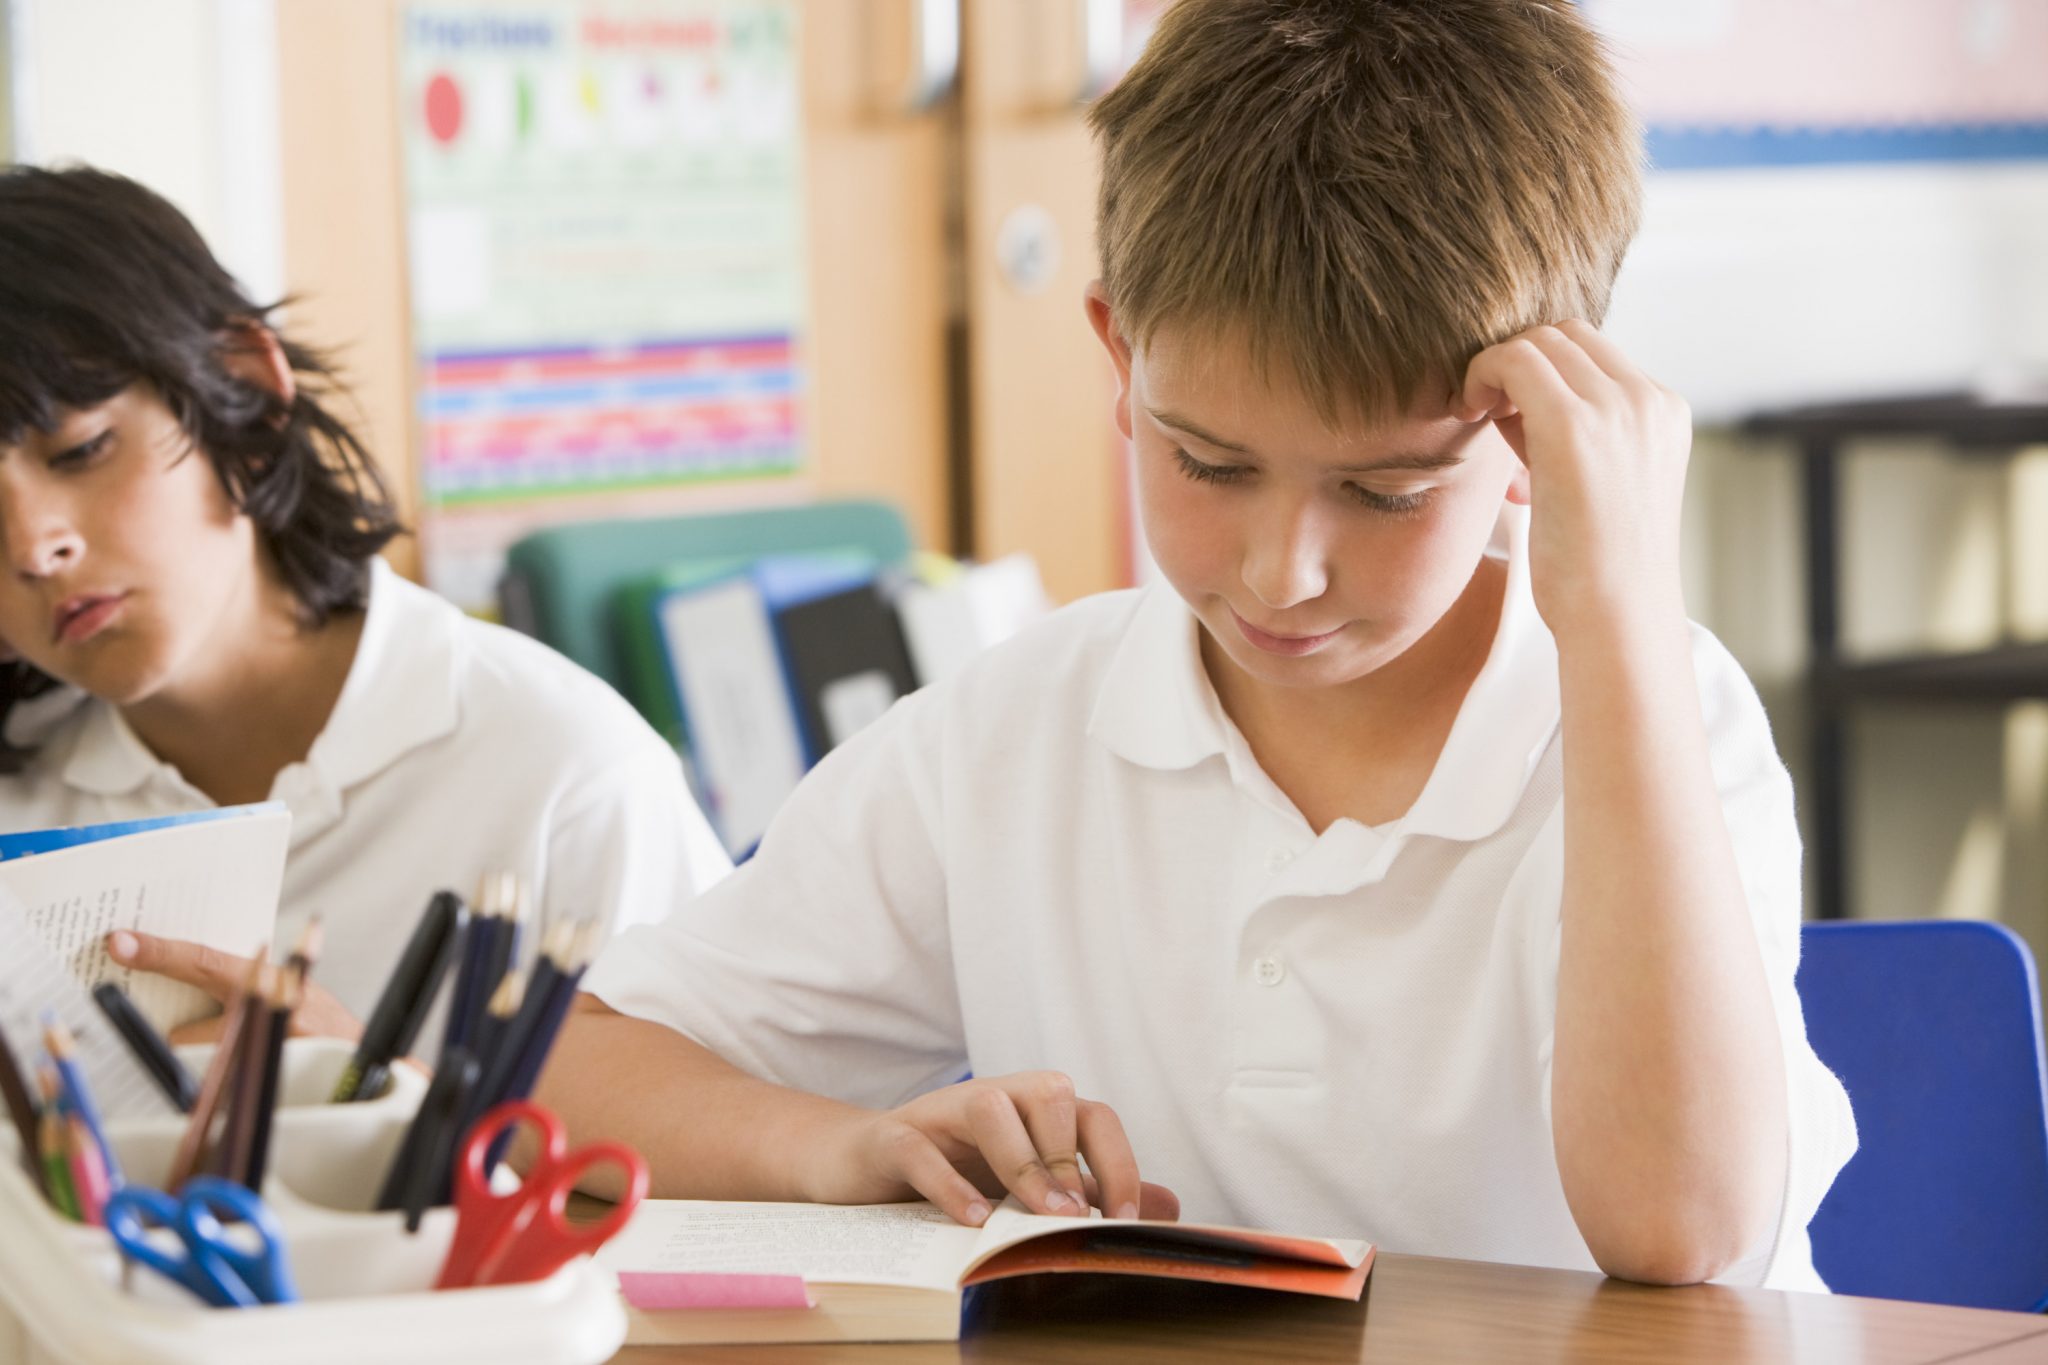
(251, 352)
(1096, 300)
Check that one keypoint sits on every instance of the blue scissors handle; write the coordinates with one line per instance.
(212, 1265)
(263, 1269)
(133, 1211)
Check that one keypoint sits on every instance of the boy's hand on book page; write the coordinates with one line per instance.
(1606, 449)
(221, 976)
(967, 1145)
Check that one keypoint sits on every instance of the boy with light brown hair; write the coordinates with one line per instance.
(1406, 866)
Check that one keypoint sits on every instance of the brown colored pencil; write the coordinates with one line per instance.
(231, 1159)
(198, 1129)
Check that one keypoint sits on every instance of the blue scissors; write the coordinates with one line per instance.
(212, 1265)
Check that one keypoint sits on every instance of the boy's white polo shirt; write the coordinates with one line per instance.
(1068, 858)
(456, 748)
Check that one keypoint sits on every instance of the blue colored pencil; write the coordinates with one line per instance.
(73, 1097)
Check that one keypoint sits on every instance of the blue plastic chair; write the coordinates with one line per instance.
(1935, 1029)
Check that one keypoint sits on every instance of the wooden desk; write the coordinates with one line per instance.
(1421, 1309)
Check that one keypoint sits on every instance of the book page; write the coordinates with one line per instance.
(215, 882)
(1012, 1224)
(34, 984)
(899, 1244)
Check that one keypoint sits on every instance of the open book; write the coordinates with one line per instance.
(211, 876)
(701, 1272)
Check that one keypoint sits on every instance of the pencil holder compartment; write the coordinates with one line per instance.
(68, 1298)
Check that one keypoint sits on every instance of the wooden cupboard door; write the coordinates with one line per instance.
(1046, 464)
(344, 223)
(875, 174)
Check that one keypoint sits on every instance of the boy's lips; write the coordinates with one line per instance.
(77, 619)
(1290, 645)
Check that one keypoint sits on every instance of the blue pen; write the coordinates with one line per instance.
(73, 1097)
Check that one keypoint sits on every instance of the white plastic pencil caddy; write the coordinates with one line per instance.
(66, 1297)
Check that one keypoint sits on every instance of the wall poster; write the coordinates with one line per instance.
(607, 264)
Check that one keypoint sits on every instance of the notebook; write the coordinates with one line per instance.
(697, 1272)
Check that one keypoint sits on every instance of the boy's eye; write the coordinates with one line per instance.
(1208, 473)
(83, 452)
(1392, 503)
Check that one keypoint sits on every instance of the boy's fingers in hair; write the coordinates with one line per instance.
(1046, 1101)
(998, 1131)
(1110, 1159)
(1519, 370)
(1578, 369)
(1609, 357)
(217, 973)
(917, 1160)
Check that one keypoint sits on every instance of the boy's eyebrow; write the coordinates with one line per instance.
(1166, 418)
(1421, 460)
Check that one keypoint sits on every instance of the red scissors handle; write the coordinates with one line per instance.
(525, 1234)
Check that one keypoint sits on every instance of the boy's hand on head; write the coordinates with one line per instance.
(1606, 448)
(966, 1146)
(222, 975)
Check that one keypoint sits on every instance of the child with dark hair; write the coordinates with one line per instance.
(197, 615)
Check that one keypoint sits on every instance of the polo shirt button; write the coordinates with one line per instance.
(1278, 859)
(1267, 971)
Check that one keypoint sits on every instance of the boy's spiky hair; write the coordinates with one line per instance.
(1366, 192)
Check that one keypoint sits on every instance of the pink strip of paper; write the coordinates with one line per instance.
(657, 1290)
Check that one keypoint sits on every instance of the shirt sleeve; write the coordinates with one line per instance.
(630, 845)
(824, 962)
(1757, 801)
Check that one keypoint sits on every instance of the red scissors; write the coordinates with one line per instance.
(525, 1235)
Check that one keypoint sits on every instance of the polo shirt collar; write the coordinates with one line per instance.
(1508, 716)
(1157, 708)
(401, 693)
(403, 689)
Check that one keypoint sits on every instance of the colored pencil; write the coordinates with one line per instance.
(192, 1148)
(290, 992)
(52, 1148)
(471, 991)
(88, 1171)
(231, 1158)
(73, 1095)
(21, 1107)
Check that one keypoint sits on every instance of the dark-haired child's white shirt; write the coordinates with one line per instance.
(456, 748)
(1068, 858)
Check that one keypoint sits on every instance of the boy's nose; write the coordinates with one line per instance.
(38, 542)
(1288, 567)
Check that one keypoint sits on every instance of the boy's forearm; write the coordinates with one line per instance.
(707, 1129)
(1668, 1089)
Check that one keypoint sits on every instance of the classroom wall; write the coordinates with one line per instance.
(181, 94)
(1764, 287)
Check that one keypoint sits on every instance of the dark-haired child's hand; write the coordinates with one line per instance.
(1606, 449)
(221, 975)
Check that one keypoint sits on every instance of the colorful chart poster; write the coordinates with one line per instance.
(1804, 82)
(606, 258)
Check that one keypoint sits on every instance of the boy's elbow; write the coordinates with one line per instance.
(1673, 1262)
(1690, 1247)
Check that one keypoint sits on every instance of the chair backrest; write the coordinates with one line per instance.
(559, 582)
(1934, 1027)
